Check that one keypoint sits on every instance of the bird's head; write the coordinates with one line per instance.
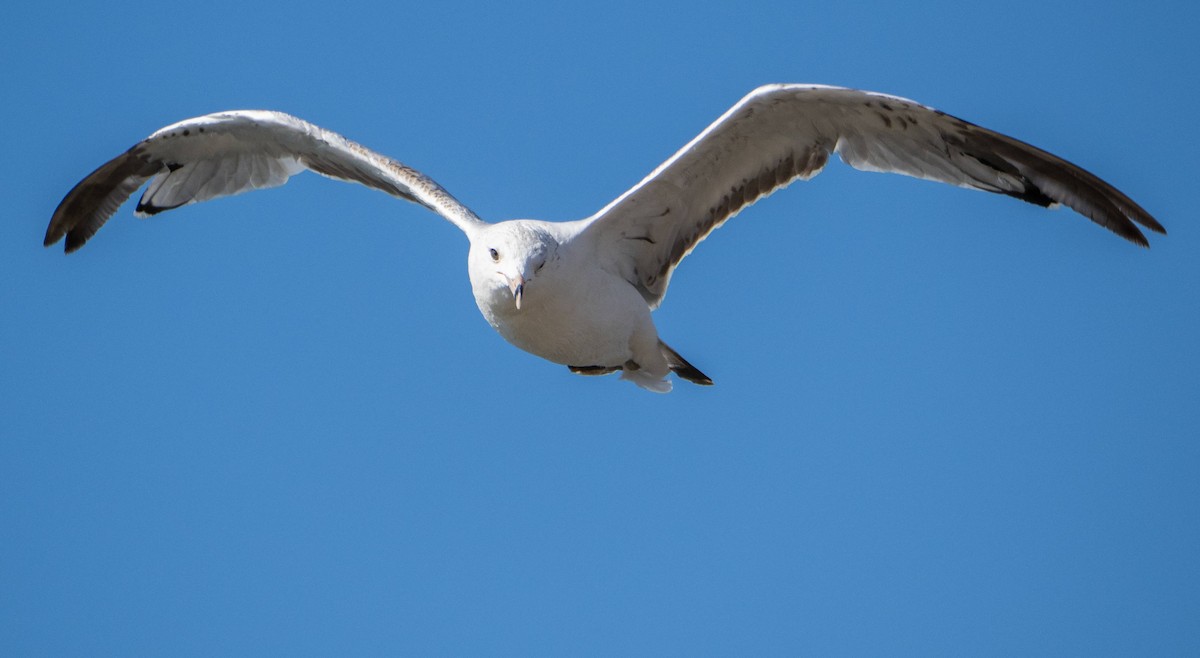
(506, 258)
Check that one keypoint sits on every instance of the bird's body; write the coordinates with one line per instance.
(581, 293)
(573, 311)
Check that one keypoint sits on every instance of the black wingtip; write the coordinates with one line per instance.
(95, 198)
(1151, 223)
(50, 240)
(1047, 179)
(73, 243)
(1125, 228)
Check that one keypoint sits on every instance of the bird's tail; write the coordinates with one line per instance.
(682, 368)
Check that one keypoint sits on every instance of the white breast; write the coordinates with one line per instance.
(571, 314)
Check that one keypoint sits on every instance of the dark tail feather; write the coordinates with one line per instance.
(682, 368)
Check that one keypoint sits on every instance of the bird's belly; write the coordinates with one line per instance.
(593, 326)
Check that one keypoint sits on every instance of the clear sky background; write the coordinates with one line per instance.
(944, 422)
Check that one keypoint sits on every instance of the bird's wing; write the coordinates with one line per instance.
(779, 133)
(229, 153)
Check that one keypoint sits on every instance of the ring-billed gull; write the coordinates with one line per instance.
(580, 293)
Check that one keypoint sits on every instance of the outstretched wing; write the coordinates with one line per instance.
(779, 133)
(229, 153)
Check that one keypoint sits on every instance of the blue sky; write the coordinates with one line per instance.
(944, 422)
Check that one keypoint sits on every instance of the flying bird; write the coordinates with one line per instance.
(580, 293)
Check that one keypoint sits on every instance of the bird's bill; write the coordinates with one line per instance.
(516, 285)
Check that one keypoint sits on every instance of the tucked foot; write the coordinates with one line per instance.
(592, 371)
(630, 371)
(633, 372)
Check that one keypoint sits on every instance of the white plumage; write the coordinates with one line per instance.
(580, 293)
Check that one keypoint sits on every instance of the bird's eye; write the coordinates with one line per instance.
(495, 255)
